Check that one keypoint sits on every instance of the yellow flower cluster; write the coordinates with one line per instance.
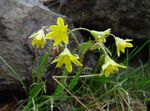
(59, 34)
(109, 66)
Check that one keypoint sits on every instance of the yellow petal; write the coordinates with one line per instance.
(107, 74)
(33, 35)
(43, 44)
(122, 49)
(55, 60)
(129, 45)
(37, 44)
(56, 41)
(53, 27)
(65, 39)
(49, 35)
(68, 66)
(122, 66)
(33, 42)
(128, 40)
(75, 61)
(118, 52)
(59, 63)
(60, 21)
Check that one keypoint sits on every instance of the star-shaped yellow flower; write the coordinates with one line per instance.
(38, 39)
(66, 58)
(110, 66)
(122, 44)
(100, 36)
(58, 32)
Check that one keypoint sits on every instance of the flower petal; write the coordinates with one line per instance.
(75, 61)
(129, 45)
(68, 66)
(65, 39)
(49, 35)
(60, 21)
(53, 27)
(60, 63)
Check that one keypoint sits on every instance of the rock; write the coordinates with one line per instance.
(18, 20)
(125, 17)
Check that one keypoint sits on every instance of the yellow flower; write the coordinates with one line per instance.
(38, 39)
(122, 44)
(110, 66)
(66, 58)
(58, 32)
(100, 36)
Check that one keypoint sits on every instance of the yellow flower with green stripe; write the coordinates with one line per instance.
(38, 39)
(58, 32)
(66, 58)
(110, 66)
(122, 44)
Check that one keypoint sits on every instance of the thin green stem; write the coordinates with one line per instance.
(116, 86)
(103, 48)
(80, 28)
(75, 38)
(82, 76)
(52, 102)
(77, 29)
(113, 35)
(76, 98)
(15, 73)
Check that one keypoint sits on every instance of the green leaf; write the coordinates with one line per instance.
(84, 47)
(36, 89)
(74, 81)
(59, 89)
(101, 60)
(42, 66)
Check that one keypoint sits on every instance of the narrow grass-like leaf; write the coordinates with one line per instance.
(59, 89)
(17, 76)
(36, 89)
(137, 50)
(42, 66)
(84, 47)
(74, 81)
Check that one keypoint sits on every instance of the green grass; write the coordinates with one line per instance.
(118, 91)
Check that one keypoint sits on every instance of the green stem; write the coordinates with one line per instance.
(76, 98)
(113, 35)
(77, 29)
(75, 38)
(82, 76)
(15, 73)
(80, 28)
(103, 48)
